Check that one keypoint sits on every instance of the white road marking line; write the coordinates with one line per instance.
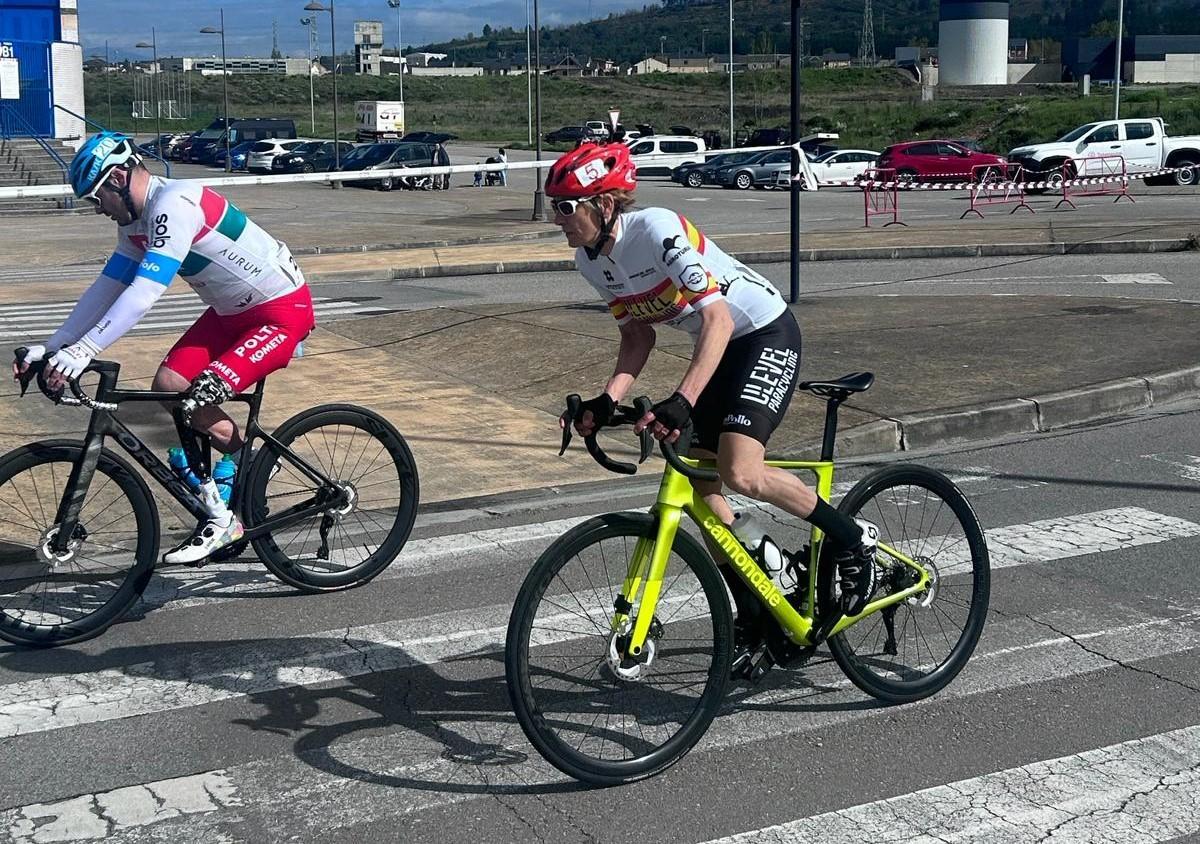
(398, 768)
(1137, 792)
(1187, 466)
(1091, 278)
(235, 671)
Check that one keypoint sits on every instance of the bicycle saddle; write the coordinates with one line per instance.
(855, 382)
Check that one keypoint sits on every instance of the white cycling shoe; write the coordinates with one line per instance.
(209, 536)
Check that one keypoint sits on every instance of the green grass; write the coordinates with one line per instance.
(869, 108)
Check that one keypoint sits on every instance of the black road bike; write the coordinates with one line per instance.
(327, 500)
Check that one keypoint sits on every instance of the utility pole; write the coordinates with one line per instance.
(866, 43)
(802, 39)
(1117, 75)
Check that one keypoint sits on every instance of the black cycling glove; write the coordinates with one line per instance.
(602, 407)
(673, 412)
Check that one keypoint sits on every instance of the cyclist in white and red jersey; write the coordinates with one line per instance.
(259, 307)
(654, 267)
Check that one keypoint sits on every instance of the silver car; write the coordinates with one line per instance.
(760, 171)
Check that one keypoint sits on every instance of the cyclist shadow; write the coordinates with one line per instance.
(806, 688)
(455, 736)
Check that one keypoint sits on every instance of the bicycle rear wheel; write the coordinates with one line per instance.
(348, 544)
(915, 648)
(48, 599)
(594, 716)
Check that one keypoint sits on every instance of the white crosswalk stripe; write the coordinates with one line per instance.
(21, 322)
(435, 759)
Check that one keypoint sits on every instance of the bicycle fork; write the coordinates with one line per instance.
(631, 644)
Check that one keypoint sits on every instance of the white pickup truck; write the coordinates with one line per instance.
(1143, 143)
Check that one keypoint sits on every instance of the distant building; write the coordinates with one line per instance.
(368, 47)
(650, 64)
(689, 64)
(41, 66)
(213, 66)
(424, 59)
(392, 65)
(1144, 59)
(833, 60)
(1018, 49)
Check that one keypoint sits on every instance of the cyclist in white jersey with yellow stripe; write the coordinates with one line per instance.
(259, 307)
(654, 267)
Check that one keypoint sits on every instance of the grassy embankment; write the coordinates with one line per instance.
(869, 108)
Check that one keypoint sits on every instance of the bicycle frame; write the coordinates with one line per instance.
(104, 423)
(677, 496)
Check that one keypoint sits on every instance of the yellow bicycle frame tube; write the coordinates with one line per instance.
(676, 495)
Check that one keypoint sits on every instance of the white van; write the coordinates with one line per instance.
(658, 155)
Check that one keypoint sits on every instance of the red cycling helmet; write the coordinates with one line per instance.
(592, 169)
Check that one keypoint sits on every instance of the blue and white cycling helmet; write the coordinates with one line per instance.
(97, 158)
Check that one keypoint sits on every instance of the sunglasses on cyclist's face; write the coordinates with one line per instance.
(94, 195)
(567, 207)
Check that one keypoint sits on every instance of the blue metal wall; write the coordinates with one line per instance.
(31, 25)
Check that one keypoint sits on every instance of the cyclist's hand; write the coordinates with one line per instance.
(68, 362)
(594, 414)
(32, 355)
(666, 418)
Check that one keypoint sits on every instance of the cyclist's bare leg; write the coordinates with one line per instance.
(214, 421)
(740, 460)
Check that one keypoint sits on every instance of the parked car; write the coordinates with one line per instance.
(778, 136)
(598, 131)
(658, 155)
(759, 171)
(388, 157)
(936, 161)
(181, 150)
(163, 144)
(237, 155)
(566, 135)
(241, 129)
(263, 153)
(701, 172)
(843, 165)
(311, 157)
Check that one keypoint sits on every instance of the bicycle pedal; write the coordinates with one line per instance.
(742, 665)
(764, 663)
(229, 552)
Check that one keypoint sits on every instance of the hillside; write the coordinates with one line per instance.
(764, 26)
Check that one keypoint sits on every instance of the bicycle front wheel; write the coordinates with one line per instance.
(913, 649)
(348, 544)
(49, 598)
(594, 713)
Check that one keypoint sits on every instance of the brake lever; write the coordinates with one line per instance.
(23, 378)
(574, 403)
(641, 406)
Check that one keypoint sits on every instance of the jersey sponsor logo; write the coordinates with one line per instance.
(225, 370)
(244, 302)
(250, 270)
(673, 251)
(160, 236)
(694, 278)
(265, 340)
(771, 377)
(644, 273)
(662, 304)
(737, 419)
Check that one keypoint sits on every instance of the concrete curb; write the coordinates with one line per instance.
(1031, 415)
(427, 244)
(775, 256)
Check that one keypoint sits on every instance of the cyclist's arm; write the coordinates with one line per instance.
(637, 340)
(716, 327)
(118, 272)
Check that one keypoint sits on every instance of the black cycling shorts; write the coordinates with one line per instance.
(752, 387)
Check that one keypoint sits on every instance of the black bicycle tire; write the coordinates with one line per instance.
(146, 515)
(894, 691)
(274, 558)
(516, 653)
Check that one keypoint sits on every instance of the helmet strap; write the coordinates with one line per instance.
(124, 194)
(606, 229)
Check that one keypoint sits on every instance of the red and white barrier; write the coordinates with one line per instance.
(992, 185)
(1095, 175)
(881, 197)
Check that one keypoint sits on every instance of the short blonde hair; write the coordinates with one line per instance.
(624, 199)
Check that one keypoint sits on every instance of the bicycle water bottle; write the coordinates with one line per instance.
(754, 536)
(223, 473)
(177, 459)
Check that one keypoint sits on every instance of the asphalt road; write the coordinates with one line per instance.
(235, 710)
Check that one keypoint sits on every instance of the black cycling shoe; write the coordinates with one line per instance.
(747, 641)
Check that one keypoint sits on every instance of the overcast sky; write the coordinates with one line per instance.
(248, 22)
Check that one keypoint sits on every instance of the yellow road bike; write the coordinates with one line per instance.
(620, 644)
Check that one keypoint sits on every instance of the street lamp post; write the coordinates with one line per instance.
(1120, 38)
(662, 47)
(311, 23)
(314, 6)
(153, 45)
(539, 198)
(528, 78)
(731, 141)
(208, 30)
(395, 4)
(703, 35)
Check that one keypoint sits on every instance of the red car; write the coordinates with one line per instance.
(932, 161)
